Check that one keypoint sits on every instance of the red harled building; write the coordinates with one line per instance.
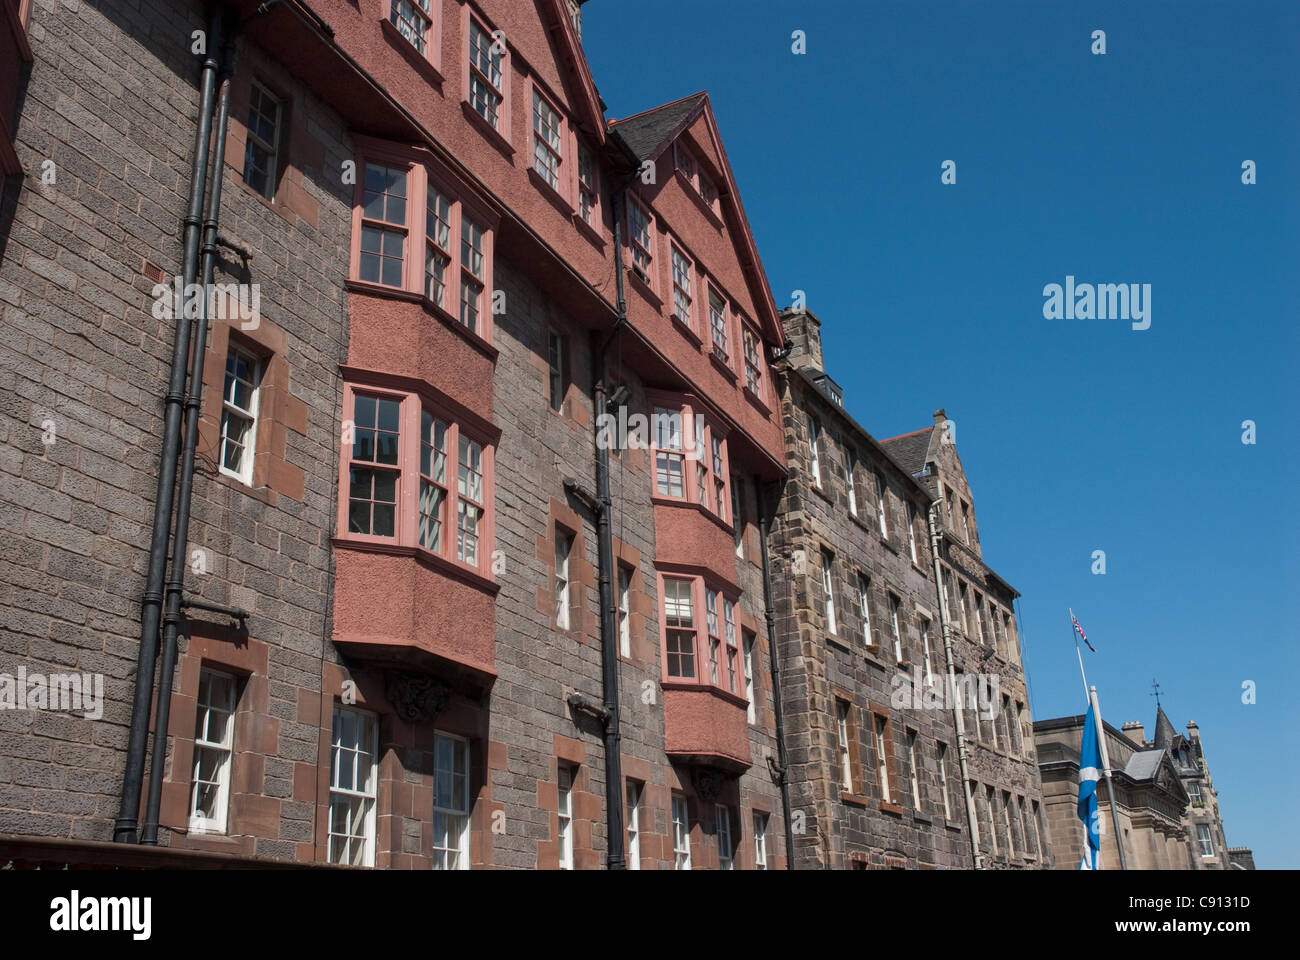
(438, 570)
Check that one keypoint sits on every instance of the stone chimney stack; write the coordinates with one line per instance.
(804, 331)
(1193, 731)
(1135, 731)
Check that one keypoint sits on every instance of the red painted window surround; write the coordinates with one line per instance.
(587, 193)
(703, 187)
(426, 180)
(563, 191)
(411, 472)
(689, 458)
(500, 132)
(398, 18)
(642, 244)
(698, 620)
(697, 325)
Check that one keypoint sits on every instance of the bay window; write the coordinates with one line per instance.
(709, 482)
(399, 452)
(718, 633)
(411, 233)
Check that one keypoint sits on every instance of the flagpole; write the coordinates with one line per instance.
(1075, 634)
(1095, 705)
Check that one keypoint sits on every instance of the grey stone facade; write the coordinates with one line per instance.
(823, 519)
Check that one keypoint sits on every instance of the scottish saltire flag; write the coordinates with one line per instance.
(1082, 636)
(1089, 772)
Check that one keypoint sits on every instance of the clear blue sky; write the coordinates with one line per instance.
(1077, 435)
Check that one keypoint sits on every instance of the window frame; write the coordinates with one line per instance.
(593, 215)
(814, 454)
(914, 773)
(864, 609)
(643, 272)
(760, 820)
(719, 325)
(432, 36)
(683, 281)
(721, 624)
(681, 831)
(895, 625)
(203, 711)
(555, 357)
(844, 743)
(369, 793)
(472, 22)
(1205, 841)
(566, 776)
(828, 591)
(228, 409)
(726, 838)
(697, 435)
(412, 406)
(749, 650)
(624, 610)
(423, 175)
(253, 139)
(850, 463)
(941, 761)
(882, 506)
(632, 803)
(464, 813)
(562, 584)
(558, 149)
(751, 347)
(883, 735)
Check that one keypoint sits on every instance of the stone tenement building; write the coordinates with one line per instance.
(1168, 808)
(1147, 786)
(1202, 820)
(415, 601)
(884, 771)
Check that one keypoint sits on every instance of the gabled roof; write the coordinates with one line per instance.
(573, 61)
(645, 132)
(648, 134)
(910, 450)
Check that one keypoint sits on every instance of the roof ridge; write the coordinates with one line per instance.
(912, 434)
(662, 106)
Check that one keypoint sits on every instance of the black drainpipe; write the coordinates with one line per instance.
(180, 547)
(124, 831)
(615, 859)
(773, 655)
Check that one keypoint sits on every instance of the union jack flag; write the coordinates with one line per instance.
(1082, 636)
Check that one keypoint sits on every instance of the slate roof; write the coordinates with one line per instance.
(643, 133)
(1165, 732)
(910, 449)
(1144, 764)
